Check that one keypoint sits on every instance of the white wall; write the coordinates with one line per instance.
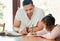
(49, 6)
(8, 14)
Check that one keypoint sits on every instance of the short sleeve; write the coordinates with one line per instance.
(42, 14)
(18, 14)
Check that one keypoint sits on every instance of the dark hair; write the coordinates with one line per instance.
(26, 2)
(49, 20)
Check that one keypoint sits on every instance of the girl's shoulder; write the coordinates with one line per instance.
(57, 25)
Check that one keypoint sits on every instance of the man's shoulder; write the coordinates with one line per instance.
(20, 9)
(37, 8)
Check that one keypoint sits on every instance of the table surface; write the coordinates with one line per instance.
(23, 38)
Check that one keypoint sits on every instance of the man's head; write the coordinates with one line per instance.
(28, 6)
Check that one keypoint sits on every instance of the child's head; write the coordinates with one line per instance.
(48, 21)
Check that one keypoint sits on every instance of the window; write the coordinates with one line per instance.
(49, 6)
(7, 11)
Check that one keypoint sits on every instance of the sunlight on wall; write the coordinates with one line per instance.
(8, 14)
(49, 7)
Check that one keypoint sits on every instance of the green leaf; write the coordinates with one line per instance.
(1, 15)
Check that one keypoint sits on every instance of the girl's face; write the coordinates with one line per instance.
(43, 24)
(48, 28)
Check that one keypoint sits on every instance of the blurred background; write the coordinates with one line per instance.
(8, 10)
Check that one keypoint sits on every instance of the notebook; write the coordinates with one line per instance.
(12, 33)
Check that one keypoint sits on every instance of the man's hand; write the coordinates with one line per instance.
(24, 31)
(16, 29)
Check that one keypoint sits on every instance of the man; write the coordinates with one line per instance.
(27, 16)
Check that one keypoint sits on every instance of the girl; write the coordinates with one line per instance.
(48, 22)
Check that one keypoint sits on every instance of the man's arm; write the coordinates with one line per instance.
(37, 28)
(16, 25)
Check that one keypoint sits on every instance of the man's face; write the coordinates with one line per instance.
(29, 9)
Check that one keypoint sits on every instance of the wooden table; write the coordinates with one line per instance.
(32, 38)
(23, 38)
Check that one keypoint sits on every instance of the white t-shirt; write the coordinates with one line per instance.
(21, 15)
(53, 34)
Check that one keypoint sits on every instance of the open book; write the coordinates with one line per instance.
(10, 33)
(38, 33)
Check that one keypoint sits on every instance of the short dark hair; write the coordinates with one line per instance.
(26, 2)
(49, 20)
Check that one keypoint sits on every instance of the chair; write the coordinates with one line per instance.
(2, 25)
